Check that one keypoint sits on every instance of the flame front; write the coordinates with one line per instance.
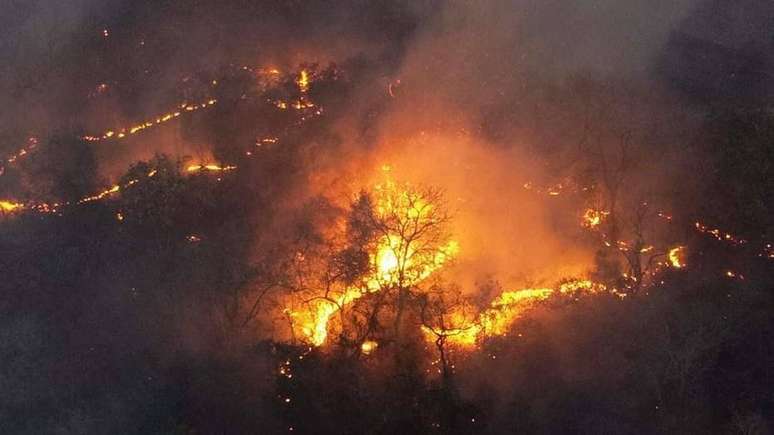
(505, 310)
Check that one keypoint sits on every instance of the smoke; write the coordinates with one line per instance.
(476, 98)
(492, 96)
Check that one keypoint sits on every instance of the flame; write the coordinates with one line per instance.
(675, 257)
(394, 261)
(734, 275)
(368, 347)
(593, 218)
(113, 189)
(10, 206)
(314, 320)
(303, 81)
(496, 320)
(160, 119)
(209, 167)
(120, 133)
(719, 235)
(32, 144)
(506, 309)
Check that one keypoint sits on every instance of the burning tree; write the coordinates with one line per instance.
(393, 238)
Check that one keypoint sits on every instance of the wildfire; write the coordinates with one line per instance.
(734, 275)
(160, 119)
(32, 144)
(44, 207)
(593, 218)
(556, 189)
(113, 189)
(506, 309)
(719, 235)
(675, 257)
(117, 134)
(303, 81)
(209, 167)
(368, 347)
(10, 206)
(395, 261)
(314, 320)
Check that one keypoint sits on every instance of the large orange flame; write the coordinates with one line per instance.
(393, 261)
